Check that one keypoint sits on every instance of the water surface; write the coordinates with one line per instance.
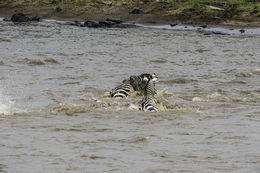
(56, 116)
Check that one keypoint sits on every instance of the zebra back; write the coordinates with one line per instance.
(136, 83)
(122, 90)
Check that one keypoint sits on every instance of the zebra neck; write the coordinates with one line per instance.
(150, 89)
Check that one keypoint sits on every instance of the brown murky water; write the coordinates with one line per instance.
(55, 115)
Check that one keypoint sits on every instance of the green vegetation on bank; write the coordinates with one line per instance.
(216, 9)
(198, 10)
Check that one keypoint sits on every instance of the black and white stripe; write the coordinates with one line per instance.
(148, 102)
(122, 90)
(135, 83)
(139, 82)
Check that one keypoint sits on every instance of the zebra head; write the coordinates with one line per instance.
(139, 82)
(152, 77)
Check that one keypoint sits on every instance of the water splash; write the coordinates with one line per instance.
(6, 104)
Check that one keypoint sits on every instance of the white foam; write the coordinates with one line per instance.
(3, 109)
(6, 104)
(256, 71)
(133, 107)
(199, 99)
(213, 95)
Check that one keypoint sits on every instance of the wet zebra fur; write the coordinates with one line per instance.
(148, 102)
(139, 82)
(122, 90)
(135, 83)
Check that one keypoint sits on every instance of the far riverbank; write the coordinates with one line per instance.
(157, 12)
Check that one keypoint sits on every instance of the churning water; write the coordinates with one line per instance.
(56, 116)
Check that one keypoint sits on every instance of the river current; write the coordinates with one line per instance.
(56, 116)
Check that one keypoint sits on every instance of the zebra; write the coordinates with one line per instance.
(139, 82)
(134, 83)
(122, 90)
(148, 102)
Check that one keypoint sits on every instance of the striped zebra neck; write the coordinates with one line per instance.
(137, 83)
(150, 90)
(148, 102)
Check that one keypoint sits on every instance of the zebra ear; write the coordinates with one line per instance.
(146, 78)
(154, 79)
(154, 76)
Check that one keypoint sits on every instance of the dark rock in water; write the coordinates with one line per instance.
(7, 20)
(35, 18)
(136, 11)
(76, 23)
(215, 33)
(73, 23)
(91, 24)
(115, 20)
(20, 17)
(173, 24)
(242, 31)
(203, 26)
(106, 23)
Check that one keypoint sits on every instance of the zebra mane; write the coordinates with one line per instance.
(139, 82)
(150, 89)
(148, 102)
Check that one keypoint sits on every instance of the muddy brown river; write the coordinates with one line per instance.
(56, 116)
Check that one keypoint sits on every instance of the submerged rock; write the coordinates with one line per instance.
(107, 23)
(173, 24)
(115, 20)
(215, 33)
(35, 18)
(203, 26)
(74, 23)
(91, 24)
(20, 17)
(242, 31)
(110, 22)
(7, 20)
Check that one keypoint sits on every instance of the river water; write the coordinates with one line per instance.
(56, 116)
